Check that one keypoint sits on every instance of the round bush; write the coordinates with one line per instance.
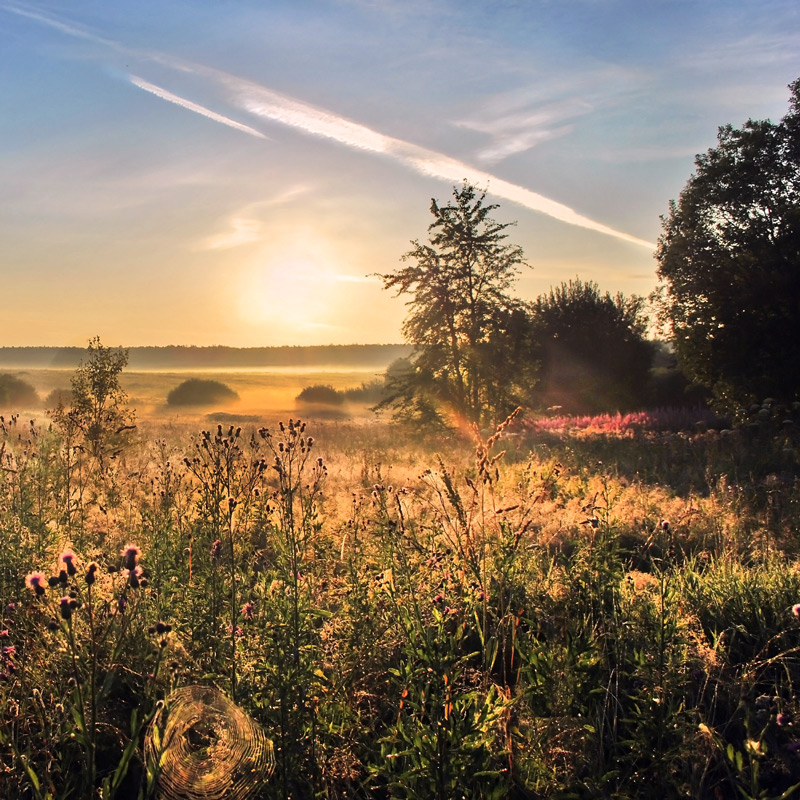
(16, 392)
(199, 392)
(322, 394)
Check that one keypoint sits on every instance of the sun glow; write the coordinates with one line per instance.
(293, 288)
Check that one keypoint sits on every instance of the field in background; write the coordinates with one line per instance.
(266, 392)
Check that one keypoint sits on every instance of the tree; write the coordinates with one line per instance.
(593, 348)
(729, 263)
(468, 334)
(98, 409)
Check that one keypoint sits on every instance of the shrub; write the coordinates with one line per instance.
(199, 392)
(16, 392)
(58, 397)
(371, 392)
(322, 394)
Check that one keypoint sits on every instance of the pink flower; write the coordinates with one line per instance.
(796, 610)
(247, 611)
(68, 560)
(36, 583)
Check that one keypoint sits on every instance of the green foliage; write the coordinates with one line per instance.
(727, 261)
(593, 349)
(16, 393)
(199, 392)
(492, 622)
(468, 332)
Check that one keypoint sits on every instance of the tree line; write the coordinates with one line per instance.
(728, 301)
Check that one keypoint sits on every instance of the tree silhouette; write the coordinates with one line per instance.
(729, 263)
(594, 353)
(461, 317)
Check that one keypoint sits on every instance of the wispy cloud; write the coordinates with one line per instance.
(271, 105)
(242, 231)
(519, 129)
(188, 104)
(268, 104)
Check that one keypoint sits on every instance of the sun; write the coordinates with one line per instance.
(292, 285)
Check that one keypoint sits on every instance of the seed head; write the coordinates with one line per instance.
(65, 607)
(130, 556)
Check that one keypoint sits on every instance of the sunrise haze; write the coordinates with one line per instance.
(236, 173)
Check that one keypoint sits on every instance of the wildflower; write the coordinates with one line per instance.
(135, 577)
(65, 607)
(247, 611)
(122, 603)
(796, 610)
(68, 560)
(438, 599)
(783, 719)
(216, 549)
(664, 525)
(35, 582)
(130, 556)
(90, 573)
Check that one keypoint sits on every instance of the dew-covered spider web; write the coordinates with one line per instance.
(204, 747)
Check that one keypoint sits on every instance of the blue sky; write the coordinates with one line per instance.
(232, 172)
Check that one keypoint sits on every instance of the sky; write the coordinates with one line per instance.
(238, 172)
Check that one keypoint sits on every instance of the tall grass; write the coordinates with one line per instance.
(527, 614)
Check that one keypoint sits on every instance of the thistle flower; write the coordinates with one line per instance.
(216, 549)
(247, 611)
(65, 607)
(130, 556)
(90, 573)
(68, 560)
(135, 577)
(35, 582)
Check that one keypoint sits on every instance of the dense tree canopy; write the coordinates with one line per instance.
(469, 334)
(593, 348)
(729, 263)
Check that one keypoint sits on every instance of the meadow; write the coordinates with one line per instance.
(599, 607)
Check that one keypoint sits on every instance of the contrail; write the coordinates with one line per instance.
(268, 104)
(198, 109)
